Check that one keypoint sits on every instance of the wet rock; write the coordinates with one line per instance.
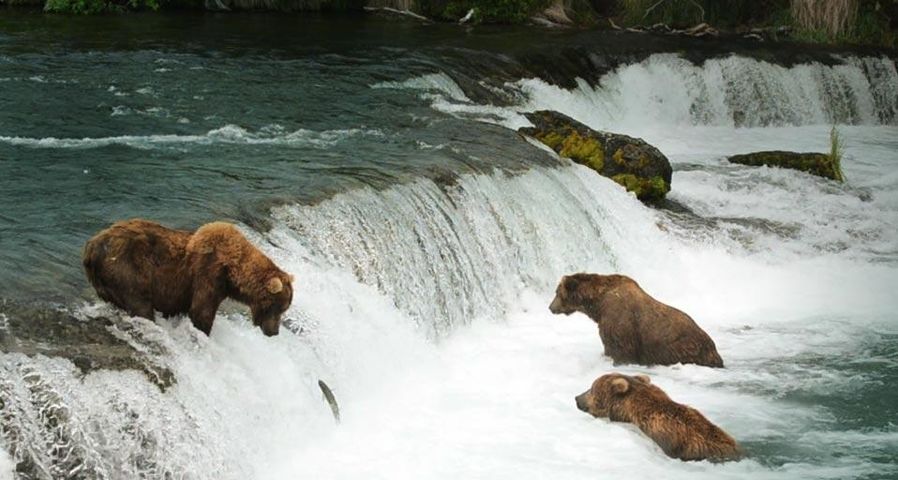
(819, 164)
(89, 343)
(631, 162)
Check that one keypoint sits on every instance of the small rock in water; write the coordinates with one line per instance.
(819, 164)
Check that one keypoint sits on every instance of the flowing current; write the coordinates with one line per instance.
(427, 239)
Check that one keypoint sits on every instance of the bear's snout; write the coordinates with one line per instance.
(270, 327)
(582, 404)
(556, 306)
(270, 332)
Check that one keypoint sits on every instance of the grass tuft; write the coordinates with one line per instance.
(836, 148)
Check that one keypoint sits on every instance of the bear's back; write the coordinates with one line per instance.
(138, 262)
(666, 335)
(680, 430)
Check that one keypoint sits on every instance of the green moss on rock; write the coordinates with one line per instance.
(584, 150)
(654, 188)
(629, 161)
(552, 139)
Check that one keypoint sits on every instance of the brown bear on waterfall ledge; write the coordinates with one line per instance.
(141, 266)
(681, 431)
(634, 327)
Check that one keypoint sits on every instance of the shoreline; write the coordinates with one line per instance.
(396, 11)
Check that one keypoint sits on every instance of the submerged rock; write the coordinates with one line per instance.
(90, 344)
(820, 164)
(631, 162)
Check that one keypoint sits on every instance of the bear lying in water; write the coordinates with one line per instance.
(141, 266)
(634, 327)
(681, 431)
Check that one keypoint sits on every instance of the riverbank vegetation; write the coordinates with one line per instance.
(866, 22)
(871, 22)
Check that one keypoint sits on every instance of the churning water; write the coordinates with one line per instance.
(427, 239)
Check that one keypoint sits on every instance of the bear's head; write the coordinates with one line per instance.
(275, 300)
(582, 291)
(571, 293)
(608, 391)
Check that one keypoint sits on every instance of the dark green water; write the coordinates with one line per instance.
(186, 119)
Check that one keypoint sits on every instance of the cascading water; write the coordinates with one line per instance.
(735, 91)
(424, 304)
(666, 89)
(425, 240)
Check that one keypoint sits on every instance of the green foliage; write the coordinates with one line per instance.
(670, 12)
(869, 28)
(836, 148)
(835, 17)
(485, 11)
(686, 13)
(76, 6)
(87, 7)
(816, 21)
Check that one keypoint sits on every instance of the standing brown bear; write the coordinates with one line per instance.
(681, 431)
(141, 266)
(634, 327)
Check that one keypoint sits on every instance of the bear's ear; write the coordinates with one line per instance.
(643, 378)
(571, 283)
(292, 278)
(275, 285)
(620, 385)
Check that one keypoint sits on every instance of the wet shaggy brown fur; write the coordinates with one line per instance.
(141, 266)
(681, 431)
(634, 327)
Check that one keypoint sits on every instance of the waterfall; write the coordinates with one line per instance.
(443, 253)
(383, 277)
(451, 253)
(666, 89)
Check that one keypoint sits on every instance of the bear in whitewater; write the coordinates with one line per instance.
(634, 327)
(141, 266)
(681, 431)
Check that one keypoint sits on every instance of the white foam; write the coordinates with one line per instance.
(668, 90)
(428, 85)
(228, 134)
(493, 399)
(446, 96)
(7, 467)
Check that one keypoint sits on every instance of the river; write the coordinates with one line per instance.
(378, 161)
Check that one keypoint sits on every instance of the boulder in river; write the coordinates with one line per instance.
(631, 162)
(820, 164)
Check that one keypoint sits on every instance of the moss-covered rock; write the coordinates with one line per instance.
(820, 164)
(631, 162)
